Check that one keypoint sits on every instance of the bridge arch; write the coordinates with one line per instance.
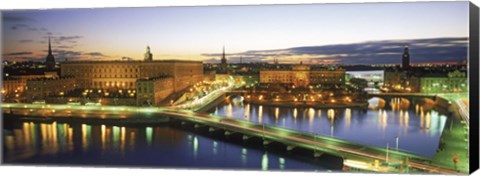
(424, 103)
(376, 103)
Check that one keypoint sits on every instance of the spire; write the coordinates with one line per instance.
(148, 54)
(49, 47)
(223, 55)
(50, 60)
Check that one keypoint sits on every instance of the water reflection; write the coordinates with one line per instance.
(195, 147)
(265, 161)
(246, 113)
(420, 129)
(277, 112)
(148, 132)
(244, 156)
(281, 162)
(120, 145)
(348, 117)
(260, 114)
(215, 147)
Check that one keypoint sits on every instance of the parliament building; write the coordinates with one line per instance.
(303, 76)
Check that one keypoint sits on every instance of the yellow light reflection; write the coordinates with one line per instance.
(103, 129)
(265, 161)
(295, 113)
(195, 147)
(348, 116)
(260, 113)
(247, 112)
(148, 132)
(277, 113)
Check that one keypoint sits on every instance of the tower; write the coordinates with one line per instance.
(223, 64)
(405, 59)
(50, 60)
(148, 55)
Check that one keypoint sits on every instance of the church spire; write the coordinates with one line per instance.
(50, 60)
(224, 59)
(148, 54)
(223, 63)
(49, 47)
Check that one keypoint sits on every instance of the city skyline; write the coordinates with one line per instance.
(200, 33)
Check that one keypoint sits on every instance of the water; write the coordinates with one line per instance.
(418, 131)
(154, 146)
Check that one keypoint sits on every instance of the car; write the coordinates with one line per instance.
(92, 104)
(39, 102)
(73, 103)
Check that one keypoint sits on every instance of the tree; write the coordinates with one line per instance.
(358, 83)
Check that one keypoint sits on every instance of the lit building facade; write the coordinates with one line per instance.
(423, 80)
(453, 82)
(303, 76)
(41, 88)
(16, 84)
(13, 86)
(124, 74)
(373, 77)
(153, 91)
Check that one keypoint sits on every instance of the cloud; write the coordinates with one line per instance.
(372, 52)
(25, 41)
(68, 38)
(12, 18)
(63, 46)
(19, 26)
(18, 53)
(94, 54)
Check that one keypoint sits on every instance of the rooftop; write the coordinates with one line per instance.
(130, 61)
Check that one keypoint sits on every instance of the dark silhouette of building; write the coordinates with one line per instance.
(406, 59)
(148, 55)
(223, 64)
(50, 60)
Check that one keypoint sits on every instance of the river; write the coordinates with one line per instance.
(163, 146)
(418, 131)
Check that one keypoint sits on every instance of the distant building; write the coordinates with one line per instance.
(16, 84)
(44, 87)
(453, 82)
(209, 75)
(124, 74)
(425, 79)
(148, 55)
(406, 59)
(223, 62)
(303, 76)
(152, 91)
(50, 60)
(13, 86)
(373, 77)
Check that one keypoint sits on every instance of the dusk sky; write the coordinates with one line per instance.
(321, 33)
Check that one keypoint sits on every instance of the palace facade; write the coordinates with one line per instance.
(124, 74)
(152, 91)
(303, 76)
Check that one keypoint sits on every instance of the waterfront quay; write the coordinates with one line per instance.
(290, 139)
